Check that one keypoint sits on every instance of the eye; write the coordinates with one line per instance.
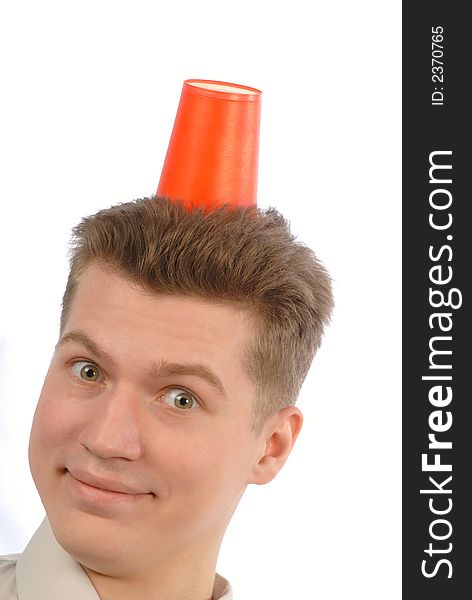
(85, 371)
(181, 399)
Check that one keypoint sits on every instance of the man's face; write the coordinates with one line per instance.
(141, 446)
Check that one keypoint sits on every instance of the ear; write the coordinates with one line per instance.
(278, 437)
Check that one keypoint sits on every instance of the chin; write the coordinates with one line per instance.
(97, 548)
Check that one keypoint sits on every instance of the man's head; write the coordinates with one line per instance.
(241, 257)
(185, 337)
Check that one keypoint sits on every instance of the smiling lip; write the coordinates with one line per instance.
(98, 489)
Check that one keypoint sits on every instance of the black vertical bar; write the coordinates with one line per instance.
(437, 268)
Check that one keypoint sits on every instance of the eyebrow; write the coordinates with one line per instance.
(166, 369)
(156, 370)
(82, 338)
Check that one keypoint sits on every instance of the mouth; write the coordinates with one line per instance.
(103, 492)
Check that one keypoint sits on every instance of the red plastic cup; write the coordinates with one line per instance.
(213, 153)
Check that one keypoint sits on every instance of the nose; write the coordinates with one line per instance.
(113, 428)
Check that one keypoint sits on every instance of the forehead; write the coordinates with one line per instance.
(131, 324)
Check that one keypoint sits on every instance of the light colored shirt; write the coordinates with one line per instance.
(45, 571)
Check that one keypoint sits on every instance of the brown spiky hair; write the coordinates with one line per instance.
(243, 256)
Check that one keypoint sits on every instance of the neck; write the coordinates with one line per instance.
(183, 577)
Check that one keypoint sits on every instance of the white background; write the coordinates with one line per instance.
(88, 97)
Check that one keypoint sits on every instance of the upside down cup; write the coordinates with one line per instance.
(213, 153)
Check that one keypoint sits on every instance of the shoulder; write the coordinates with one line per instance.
(8, 563)
(8, 576)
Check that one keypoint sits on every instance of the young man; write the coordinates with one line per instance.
(185, 337)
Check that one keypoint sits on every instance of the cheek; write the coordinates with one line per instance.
(52, 422)
(211, 465)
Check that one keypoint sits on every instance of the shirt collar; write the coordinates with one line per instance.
(222, 589)
(46, 570)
